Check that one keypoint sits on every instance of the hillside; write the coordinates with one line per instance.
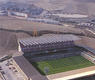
(30, 9)
(8, 43)
(68, 6)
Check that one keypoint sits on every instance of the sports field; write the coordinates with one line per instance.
(62, 65)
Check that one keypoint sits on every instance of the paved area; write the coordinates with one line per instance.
(9, 74)
(76, 73)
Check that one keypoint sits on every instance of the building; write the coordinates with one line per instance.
(47, 43)
(71, 15)
(49, 21)
(18, 14)
(84, 25)
(49, 46)
(3, 13)
(25, 69)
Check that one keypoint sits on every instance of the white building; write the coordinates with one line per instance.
(2, 13)
(18, 15)
(70, 15)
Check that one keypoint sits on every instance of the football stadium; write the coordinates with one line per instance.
(54, 53)
(49, 46)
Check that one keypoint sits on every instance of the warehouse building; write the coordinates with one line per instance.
(49, 21)
(3, 13)
(46, 46)
(18, 14)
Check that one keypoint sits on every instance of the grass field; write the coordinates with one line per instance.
(62, 65)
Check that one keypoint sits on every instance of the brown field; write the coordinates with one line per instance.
(68, 6)
(17, 24)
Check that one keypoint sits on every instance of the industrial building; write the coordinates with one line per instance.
(3, 13)
(84, 25)
(49, 46)
(70, 15)
(18, 14)
(49, 21)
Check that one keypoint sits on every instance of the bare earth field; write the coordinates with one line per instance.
(68, 6)
(8, 43)
(17, 24)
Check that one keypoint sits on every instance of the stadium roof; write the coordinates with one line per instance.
(50, 38)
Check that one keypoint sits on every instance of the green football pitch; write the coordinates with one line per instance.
(61, 65)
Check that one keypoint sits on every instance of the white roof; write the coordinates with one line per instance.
(71, 15)
(51, 38)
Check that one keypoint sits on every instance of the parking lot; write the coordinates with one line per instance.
(9, 71)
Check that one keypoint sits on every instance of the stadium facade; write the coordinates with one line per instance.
(49, 46)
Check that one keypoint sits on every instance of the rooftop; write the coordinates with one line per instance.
(27, 68)
(49, 38)
(71, 15)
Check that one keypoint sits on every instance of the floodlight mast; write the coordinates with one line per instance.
(35, 33)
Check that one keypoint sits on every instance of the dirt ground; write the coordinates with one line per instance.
(8, 42)
(17, 24)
